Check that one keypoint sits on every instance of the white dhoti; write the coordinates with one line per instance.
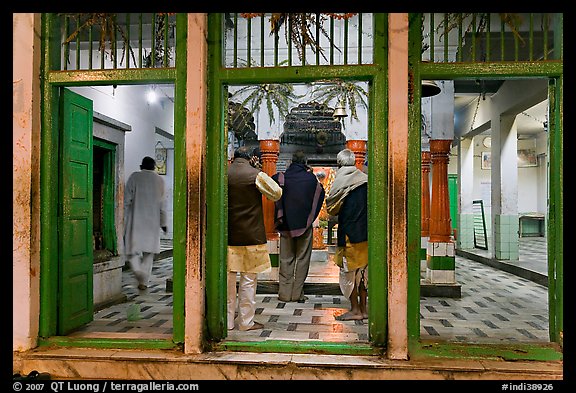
(246, 300)
(141, 265)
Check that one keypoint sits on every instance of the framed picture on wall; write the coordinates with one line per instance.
(527, 158)
(161, 156)
(486, 162)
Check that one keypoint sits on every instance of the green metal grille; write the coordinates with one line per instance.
(489, 37)
(98, 41)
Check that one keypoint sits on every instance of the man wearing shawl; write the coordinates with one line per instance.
(301, 202)
(247, 243)
(347, 199)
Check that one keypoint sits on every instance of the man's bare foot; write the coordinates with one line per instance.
(364, 315)
(349, 316)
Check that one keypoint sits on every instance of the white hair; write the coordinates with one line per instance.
(346, 157)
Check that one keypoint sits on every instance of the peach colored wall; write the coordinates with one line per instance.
(26, 181)
(195, 164)
(397, 161)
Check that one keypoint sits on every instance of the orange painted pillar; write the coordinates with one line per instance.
(270, 149)
(359, 149)
(425, 206)
(440, 222)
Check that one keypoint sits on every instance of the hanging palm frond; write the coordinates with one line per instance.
(349, 93)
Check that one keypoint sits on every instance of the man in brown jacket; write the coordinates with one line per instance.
(247, 243)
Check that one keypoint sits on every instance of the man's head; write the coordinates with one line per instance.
(243, 152)
(299, 158)
(346, 157)
(148, 163)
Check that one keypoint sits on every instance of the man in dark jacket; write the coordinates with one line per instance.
(302, 198)
(247, 243)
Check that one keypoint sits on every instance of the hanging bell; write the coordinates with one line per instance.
(340, 111)
(430, 88)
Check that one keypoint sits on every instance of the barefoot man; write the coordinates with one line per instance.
(348, 199)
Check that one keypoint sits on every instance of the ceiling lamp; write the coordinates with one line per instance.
(430, 88)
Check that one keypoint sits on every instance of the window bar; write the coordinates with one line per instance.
(345, 41)
(78, 42)
(262, 40)
(289, 42)
(166, 32)
(359, 38)
(502, 27)
(460, 54)
(531, 39)
(114, 46)
(545, 28)
(127, 52)
(487, 36)
(249, 43)
(153, 40)
(445, 38)
(317, 38)
(276, 38)
(331, 40)
(90, 47)
(235, 59)
(140, 45)
(102, 52)
(473, 58)
(432, 37)
(67, 45)
(516, 47)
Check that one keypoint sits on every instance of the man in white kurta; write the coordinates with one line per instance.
(144, 215)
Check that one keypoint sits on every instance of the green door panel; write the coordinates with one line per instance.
(75, 301)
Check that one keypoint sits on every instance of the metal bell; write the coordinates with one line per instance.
(430, 88)
(340, 111)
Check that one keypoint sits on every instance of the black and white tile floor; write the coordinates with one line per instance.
(495, 307)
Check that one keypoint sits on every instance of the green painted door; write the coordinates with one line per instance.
(75, 280)
(453, 195)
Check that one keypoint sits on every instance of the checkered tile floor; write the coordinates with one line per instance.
(495, 307)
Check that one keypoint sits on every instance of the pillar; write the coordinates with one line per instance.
(270, 150)
(425, 206)
(359, 149)
(440, 255)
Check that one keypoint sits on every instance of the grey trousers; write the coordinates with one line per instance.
(295, 256)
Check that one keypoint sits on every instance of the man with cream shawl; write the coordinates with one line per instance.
(348, 199)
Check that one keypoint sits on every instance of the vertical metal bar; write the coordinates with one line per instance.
(262, 41)
(488, 36)
(235, 60)
(531, 38)
(303, 26)
(113, 46)
(359, 38)
(516, 47)
(90, 47)
(289, 41)
(445, 38)
(317, 38)
(127, 52)
(502, 37)
(331, 40)
(78, 42)
(545, 28)
(67, 45)
(460, 54)
(345, 41)
(432, 37)
(140, 45)
(153, 38)
(276, 38)
(166, 30)
(473, 58)
(249, 43)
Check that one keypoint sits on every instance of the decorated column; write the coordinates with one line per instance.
(270, 149)
(359, 149)
(425, 206)
(440, 256)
